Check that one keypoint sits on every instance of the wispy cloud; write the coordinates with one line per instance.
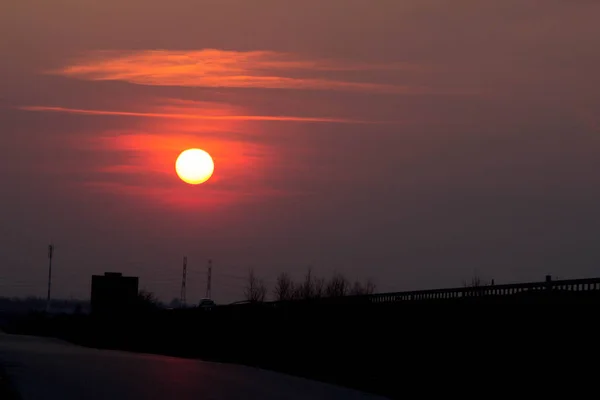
(190, 115)
(235, 69)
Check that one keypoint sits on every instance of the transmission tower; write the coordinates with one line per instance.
(50, 254)
(208, 294)
(182, 299)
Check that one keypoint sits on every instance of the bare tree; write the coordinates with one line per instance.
(318, 288)
(255, 290)
(308, 285)
(297, 292)
(284, 287)
(311, 287)
(362, 288)
(337, 286)
(357, 289)
(147, 297)
(475, 282)
(261, 291)
(147, 301)
(370, 286)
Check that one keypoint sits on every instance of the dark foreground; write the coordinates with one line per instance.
(465, 346)
(47, 369)
(7, 390)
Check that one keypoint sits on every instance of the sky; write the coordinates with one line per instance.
(414, 142)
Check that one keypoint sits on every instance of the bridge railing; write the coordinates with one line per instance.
(592, 284)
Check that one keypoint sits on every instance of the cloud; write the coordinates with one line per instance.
(233, 69)
(191, 114)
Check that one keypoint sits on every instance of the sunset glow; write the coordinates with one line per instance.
(409, 141)
(194, 166)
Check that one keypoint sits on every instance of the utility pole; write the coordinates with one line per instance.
(208, 294)
(50, 253)
(182, 296)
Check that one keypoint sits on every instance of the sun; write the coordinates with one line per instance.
(194, 166)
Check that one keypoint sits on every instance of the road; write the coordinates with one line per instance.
(42, 368)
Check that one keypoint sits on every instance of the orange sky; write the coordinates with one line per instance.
(412, 142)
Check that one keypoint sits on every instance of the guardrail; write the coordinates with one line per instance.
(574, 285)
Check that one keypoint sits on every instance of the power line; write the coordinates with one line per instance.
(50, 253)
(208, 288)
(183, 279)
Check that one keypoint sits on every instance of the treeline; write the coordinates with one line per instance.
(24, 305)
(310, 287)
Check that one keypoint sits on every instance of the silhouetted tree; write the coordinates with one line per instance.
(175, 303)
(284, 287)
(297, 291)
(30, 303)
(318, 288)
(337, 286)
(474, 282)
(255, 290)
(147, 301)
(307, 288)
(314, 287)
(311, 288)
(370, 287)
(357, 289)
(362, 288)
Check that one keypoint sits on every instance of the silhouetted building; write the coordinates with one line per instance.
(113, 293)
